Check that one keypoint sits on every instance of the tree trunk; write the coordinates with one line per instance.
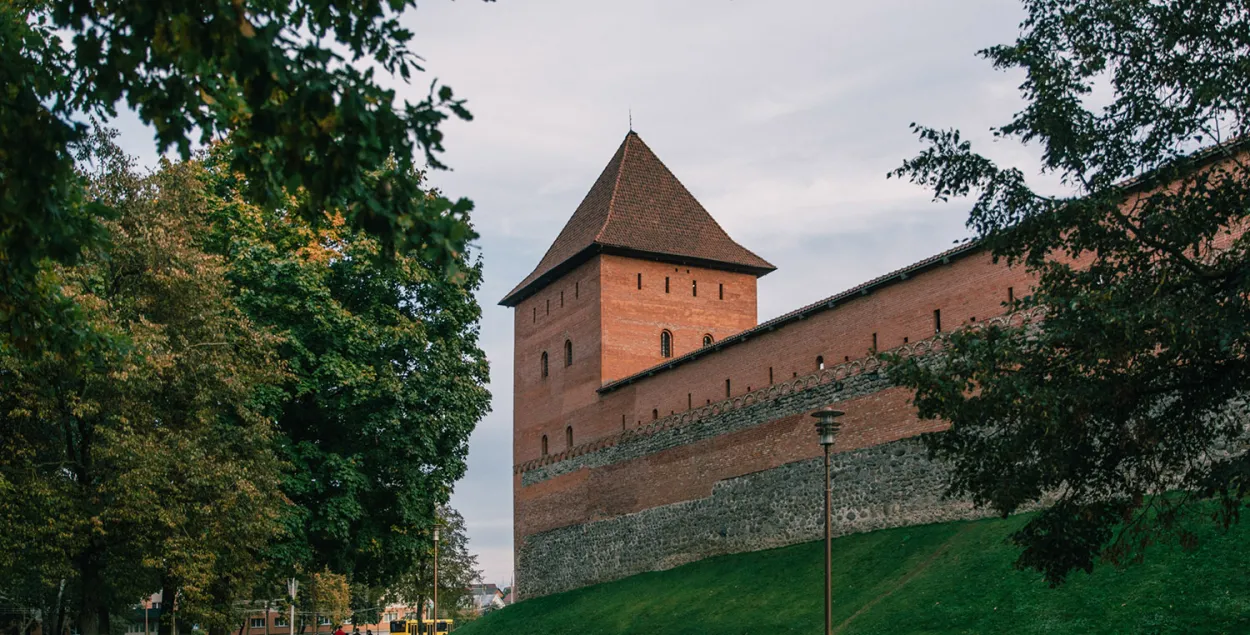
(164, 624)
(93, 615)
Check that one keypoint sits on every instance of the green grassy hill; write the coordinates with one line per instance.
(948, 578)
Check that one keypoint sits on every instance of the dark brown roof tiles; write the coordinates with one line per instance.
(637, 206)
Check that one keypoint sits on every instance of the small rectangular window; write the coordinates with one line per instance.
(577, 290)
(640, 281)
(665, 284)
(1011, 295)
(874, 342)
(722, 291)
(622, 422)
(561, 299)
(905, 339)
(727, 393)
(535, 314)
(937, 320)
(694, 288)
(770, 374)
(689, 400)
(258, 622)
(548, 306)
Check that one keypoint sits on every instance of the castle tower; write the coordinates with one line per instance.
(641, 273)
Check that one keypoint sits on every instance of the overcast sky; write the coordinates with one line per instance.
(781, 117)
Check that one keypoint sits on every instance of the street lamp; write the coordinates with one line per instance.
(827, 427)
(434, 609)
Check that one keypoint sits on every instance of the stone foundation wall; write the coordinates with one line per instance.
(887, 485)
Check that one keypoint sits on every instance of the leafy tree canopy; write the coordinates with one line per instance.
(293, 82)
(386, 378)
(126, 469)
(1134, 384)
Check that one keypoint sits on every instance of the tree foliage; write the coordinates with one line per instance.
(386, 379)
(294, 83)
(457, 571)
(1134, 384)
(131, 467)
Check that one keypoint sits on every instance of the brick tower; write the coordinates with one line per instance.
(641, 273)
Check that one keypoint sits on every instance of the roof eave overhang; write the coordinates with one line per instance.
(551, 275)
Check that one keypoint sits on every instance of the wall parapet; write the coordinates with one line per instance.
(835, 373)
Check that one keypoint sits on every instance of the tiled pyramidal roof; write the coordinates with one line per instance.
(637, 207)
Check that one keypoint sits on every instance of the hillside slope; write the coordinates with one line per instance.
(933, 579)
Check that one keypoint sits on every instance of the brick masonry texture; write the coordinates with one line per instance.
(882, 486)
(794, 401)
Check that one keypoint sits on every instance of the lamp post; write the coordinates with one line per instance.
(434, 609)
(827, 427)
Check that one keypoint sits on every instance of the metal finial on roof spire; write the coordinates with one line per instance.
(631, 119)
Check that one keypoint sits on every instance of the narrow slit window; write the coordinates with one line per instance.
(544, 364)
(820, 362)
(655, 414)
(694, 288)
(770, 375)
(535, 314)
(568, 437)
(905, 340)
(544, 445)
(1011, 295)
(640, 281)
(728, 393)
(665, 284)
(561, 299)
(622, 422)
(568, 353)
(689, 400)
(548, 306)
(577, 290)
(722, 290)
(874, 342)
(937, 320)
(666, 344)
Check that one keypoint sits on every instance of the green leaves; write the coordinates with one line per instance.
(387, 376)
(1134, 383)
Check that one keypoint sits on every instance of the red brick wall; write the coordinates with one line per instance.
(969, 287)
(633, 318)
(689, 472)
(542, 323)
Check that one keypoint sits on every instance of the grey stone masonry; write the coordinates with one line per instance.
(888, 485)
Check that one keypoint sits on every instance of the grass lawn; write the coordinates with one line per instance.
(933, 579)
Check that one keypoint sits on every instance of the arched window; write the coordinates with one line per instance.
(666, 344)
(820, 362)
(544, 364)
(655, 414)
(568, 437)
(568, 353)
(707, 340)
(544, 445)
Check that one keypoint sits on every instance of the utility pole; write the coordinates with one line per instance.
(435, 611)
(291, 587)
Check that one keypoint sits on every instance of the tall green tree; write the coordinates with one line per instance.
(132, 467)
(386, 378)
(457, 571)
(1134, 384)
(293, 82)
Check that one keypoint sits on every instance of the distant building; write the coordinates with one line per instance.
(486, 597)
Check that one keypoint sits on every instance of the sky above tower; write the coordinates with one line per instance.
(782, 118)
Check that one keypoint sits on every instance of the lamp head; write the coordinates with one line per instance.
(826, 424)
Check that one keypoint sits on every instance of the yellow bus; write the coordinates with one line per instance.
(422, 627)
